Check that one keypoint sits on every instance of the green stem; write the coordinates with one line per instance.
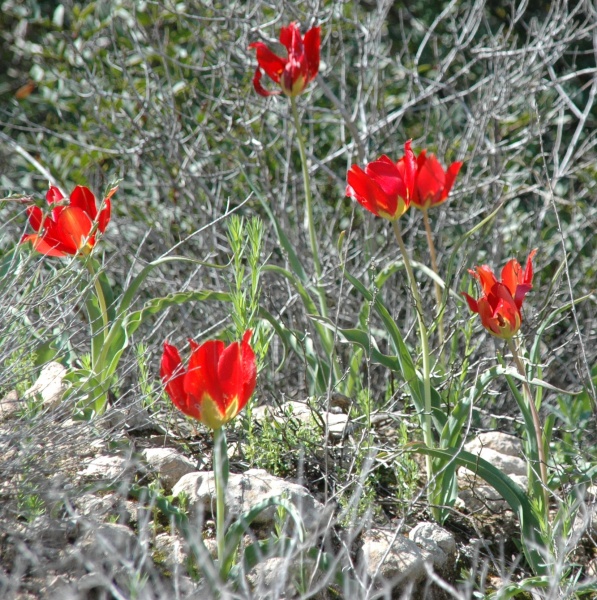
(426, 421)
(536, 422)
(438, 289)
(220, 466)
(309, 208)
(99, 293)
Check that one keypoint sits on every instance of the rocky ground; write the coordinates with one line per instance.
(81, 517)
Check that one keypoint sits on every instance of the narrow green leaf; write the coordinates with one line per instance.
(295, 263)
(243, 522)
(516, 498)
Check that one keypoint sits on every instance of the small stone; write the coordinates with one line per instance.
(109, 541)
(169, 464)
(10, 405)
(106, 468)
(245, 491)
(510, 465)
(436, 540)
(495, 440)
(294, 410)
(392, 560)
(170, 549)
(49, 385)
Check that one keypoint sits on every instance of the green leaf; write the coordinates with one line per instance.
(407, 366)
(533, 546)
(243, 522)
(295, 263)
(319, 370)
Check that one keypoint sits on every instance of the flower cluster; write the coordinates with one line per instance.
(295, 72)
(500, 305)
(387, 188)
(70, 227)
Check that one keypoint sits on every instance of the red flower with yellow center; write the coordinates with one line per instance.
(217, 383)
(385, 187)
(293, 73)
(71, 225)
(501, 301)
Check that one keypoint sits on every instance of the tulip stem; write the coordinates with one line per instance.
(309, 208)
(220, 466)
(426, 421)
(99, 293)
(438, 289)
(536, 422)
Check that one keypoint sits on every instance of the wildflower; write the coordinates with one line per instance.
(501, 301)
(433, 184)
(70, 227)
(216, 385)
(294, 73)
(384, 188)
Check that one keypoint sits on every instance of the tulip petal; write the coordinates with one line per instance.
(271, 63)
(230, 371)
(42, 246)
(83, 198)
(430, 182)
(290, 38)
(528, 272)
(104, 215)
(312, 43)
(472, 303)
(54, 195)
(512, 275)
(249, 370)
(451, 175)
(410, 169)
(35, 215)
(486, 278)
(173, 375)
(202, 376)
(362, 188)
(72, 229)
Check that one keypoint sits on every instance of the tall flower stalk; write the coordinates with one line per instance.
(309, 208)
(538, 429)
(424, 337)
(213, 389)
(432, 187)
(500, 310)
(387, 188)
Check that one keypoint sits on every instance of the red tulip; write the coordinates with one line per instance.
(384, 188)
(294, 73)
(70, 227)
(433, 184)
(499, 306)
(217, 383)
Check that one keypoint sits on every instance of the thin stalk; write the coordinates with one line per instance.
(309, 208)
(424, 336)
(220, 477)
(526, 389)
(100, 294)
(438, 289)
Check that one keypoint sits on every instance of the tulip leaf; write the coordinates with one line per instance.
(156, 305)
(243, 522)
(193, 538)
(407, 366)
(511, 492)
(303, 347)
(295, 263)
(283, 548)
(307, 301)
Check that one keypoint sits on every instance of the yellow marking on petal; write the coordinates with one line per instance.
(211, 414)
